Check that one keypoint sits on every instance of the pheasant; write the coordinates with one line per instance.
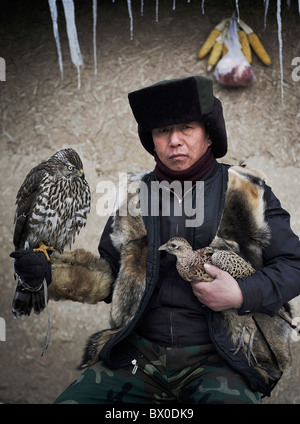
(190, 262)
(243, 329)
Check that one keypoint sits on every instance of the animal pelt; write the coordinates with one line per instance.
(243, 227)
(244, 230)
(79, 276)
(130, 238)
(128, 291)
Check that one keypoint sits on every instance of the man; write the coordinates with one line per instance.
(168, 342)
(179, 147)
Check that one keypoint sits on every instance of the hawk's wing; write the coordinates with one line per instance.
(25, 199)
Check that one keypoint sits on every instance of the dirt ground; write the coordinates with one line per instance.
(40, 114)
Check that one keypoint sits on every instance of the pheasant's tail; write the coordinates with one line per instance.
(287, 318)
(25, 300)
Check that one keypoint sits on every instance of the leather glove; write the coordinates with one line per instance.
(31, 268)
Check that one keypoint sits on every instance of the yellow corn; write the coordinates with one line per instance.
(211, 39)
(245, 46)
(214, 55)
(255, 43)
(259, 49)
(224, 49)
(224, 35)
(208, 44)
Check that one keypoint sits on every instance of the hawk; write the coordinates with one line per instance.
(242, 328)
(52, 206)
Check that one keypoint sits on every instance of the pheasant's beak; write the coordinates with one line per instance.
(163, 247)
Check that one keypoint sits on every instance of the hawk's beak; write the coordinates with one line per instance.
(163, 247)
(81, 174)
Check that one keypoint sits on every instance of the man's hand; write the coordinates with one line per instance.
(222, 293)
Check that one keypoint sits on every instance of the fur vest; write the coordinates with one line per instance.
(243, 229)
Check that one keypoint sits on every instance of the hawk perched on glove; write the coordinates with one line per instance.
(52, 206)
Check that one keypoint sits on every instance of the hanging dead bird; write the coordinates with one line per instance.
(242, 328)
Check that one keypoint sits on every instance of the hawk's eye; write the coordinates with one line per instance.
(70, 167)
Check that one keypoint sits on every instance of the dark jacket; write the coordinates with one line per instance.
(265, 291)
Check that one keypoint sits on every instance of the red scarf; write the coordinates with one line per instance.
(194, 173)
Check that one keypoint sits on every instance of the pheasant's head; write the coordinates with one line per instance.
(177, 246)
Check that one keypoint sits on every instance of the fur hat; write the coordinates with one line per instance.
(179, 101)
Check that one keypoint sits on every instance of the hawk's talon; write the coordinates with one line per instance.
(43, 248)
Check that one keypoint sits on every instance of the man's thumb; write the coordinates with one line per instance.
(211, 270)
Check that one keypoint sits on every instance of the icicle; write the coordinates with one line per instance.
(280, 43)
(72, 36)
(142, 7)
(202, 6)
(131, 18)
(299, 6)
(94, 33)
(237, 9)
(53, 10)
(174, 4)
(266, 12)
(156, 11)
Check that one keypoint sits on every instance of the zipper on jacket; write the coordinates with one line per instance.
(135, 366)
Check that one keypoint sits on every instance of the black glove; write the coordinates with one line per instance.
(32, 267)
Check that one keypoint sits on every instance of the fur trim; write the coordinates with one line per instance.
(128, 223)
(79, 276)
(129, 289)
(244, 230)
(243, 227)
(130, 238)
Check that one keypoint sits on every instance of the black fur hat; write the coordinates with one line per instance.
(179, 101)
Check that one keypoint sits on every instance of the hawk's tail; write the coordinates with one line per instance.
(25, 300)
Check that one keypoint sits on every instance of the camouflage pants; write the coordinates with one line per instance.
(192, 375)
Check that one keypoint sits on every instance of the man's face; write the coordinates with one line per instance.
(180, 146)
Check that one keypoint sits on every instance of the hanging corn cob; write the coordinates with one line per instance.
(211, 39)
(255, 43)
(225, 32)
(215, 53)
(245, 46)
(224, 50)
(217, 49)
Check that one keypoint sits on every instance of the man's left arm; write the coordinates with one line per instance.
(279, 280)
(268, 288)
